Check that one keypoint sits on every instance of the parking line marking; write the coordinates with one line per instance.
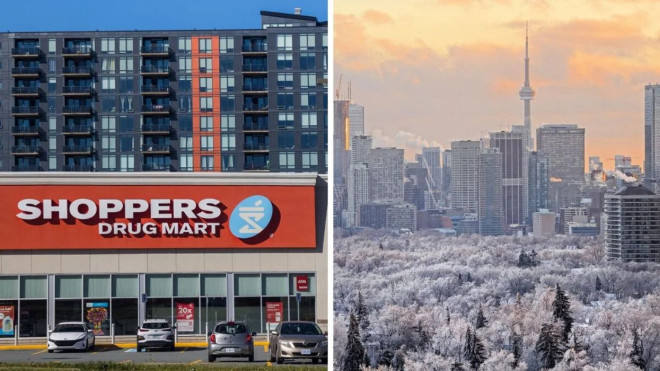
(195, 362)
(184, 349)
(41, 351)
(265, 348)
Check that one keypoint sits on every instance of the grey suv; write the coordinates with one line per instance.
(298, 340)
(231, 339)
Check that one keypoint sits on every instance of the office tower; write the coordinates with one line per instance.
(358, 192)
(401, 216)
(539, 183)
(386, 174)
(446, 176)
(491, 213)
(632, 230)
(651, 136)
(430, 160)
(563, 146)
(572, 214)
(341, 142)
(202, 100)
(355, 120)
(543, 223)
(360, 148)
(465, 175)
(510, 146)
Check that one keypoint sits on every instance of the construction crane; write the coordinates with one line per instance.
(338, 87)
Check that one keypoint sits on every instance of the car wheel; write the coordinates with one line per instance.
(93, 345)
(324, 361)
(139, 349)
(278, 359)
(251, 358)
(172, 347)
(50, 351)
(211, 358)
(315, 360)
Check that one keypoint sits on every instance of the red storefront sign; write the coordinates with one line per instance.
(274, 311)
(185, 316)
(302, 283)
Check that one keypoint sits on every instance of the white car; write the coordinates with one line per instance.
(155, 333)
(71, 336)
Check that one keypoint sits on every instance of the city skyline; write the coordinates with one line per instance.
(589, 63)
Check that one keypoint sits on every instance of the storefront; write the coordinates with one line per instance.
(115, 249)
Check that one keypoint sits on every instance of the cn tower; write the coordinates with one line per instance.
(527, 94)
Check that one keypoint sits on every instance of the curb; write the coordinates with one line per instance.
(118, 345)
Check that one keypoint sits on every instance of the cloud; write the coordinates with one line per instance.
(412, 143)
(376, 17)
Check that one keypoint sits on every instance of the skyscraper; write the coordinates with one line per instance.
(491, 214)
(510, 146)
(652, 136)
(539, 182)
(358, 192)
(386, 174)
(355, 120)
(563, 146)
(431, 161)
(446, 176)
(465, 175)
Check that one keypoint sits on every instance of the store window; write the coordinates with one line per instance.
(8, 306)
(275, 301)
(159, 296)
(68, 303)
(96, 303)
(125, 304)
(34, 312)
(186, 303)
(213, 304)
(247, 300)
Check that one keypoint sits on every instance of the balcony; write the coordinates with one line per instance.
(255, 147)
(255, 108)
(78, 168)
(77, 71)
(155, 50)
(155, 70)
(77, 91)
(26, 168)
(80, 51)
(255, 126)
(255, 89)
(254, 49)
(155, 90)
(31, 111)
(79, 130)
(254, 68)
(26, 52)
(247, 167)
(26, 131)
(156, 167)
(156, 149)
(77, 110)
(25, 72)
(156, 129)
(77, 150)
(156, 109)
(25, 150)
(25, 91)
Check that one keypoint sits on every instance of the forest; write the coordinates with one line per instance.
(431, 302)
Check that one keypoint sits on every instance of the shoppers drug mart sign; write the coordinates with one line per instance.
(171, 216)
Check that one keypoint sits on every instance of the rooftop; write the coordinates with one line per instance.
(630, 190)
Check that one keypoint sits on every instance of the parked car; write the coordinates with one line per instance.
(231, 339)
(155, 333)
(298, 340)
(71, 336)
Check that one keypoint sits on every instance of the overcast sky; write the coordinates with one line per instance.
(432, 71)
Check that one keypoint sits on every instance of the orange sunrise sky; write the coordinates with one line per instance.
(431, 71)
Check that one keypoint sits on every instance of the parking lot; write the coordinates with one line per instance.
(182, 355)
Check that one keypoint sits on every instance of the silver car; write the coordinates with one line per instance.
(298, 340)
(71, 336)
(155, 333)
(231, 339)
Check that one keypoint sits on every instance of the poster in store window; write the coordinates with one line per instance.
(185, 314)
(7, 320)
(96, 313)
(274, 312)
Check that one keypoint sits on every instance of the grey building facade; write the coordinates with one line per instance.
(202, 100)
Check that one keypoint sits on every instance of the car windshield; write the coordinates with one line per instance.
(230, 328)
(69, 328)
(155, 325)
(300, 329)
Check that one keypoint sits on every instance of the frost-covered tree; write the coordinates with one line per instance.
(549, 348)
(561, 310)
(474, 351)
(354, 353)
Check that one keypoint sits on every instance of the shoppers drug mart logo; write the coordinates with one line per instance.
(250, 217)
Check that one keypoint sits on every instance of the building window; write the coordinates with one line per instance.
(308, 120)
(126, 65)
(307, 61)
(284, 80)
(184, 45)
(185, 123)
(206, 163)
(285, 121)
(226, 45)
(205, 65)
(186, 143)
(205, 84)
(284, 61)
(226, 84)
(308, 100)
(205, 45)
(325, 41)
(206, 143)
(284, 42)
(52, 124)
(206, 104)
(228, 142)
(185, 103)
(52, 46)
(307, 41)
(185, 65)
(284, 101)
(125, 45)
(206, 123)
(109, 162)
(285, 140)
(108, 65)
(310, 160)
(226, 63)
(108, 143)
(307, 80)
(108, 124)
(108, 45)
(126, 85)
(185, 83)
(109, 104)
(186, 163)
(52, 85)
(308, 140)
(108, 84)
(227, 103)
(126, 162)
(126, 124)
(287, 160)
(52, 65)
(126, 143)
(228, 162)
(52, 162)
(228, 122)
